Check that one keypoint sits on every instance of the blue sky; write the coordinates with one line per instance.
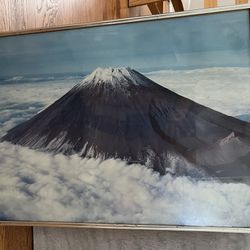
(190, 42)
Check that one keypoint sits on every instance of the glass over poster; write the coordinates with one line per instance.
(140, 122)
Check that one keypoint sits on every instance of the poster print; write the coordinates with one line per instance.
(134, 123)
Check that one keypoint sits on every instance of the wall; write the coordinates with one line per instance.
(103, 239)
(29, 14)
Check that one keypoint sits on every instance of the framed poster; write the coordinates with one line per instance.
(139, 123)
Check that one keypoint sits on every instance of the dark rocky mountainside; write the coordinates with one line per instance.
(120, 113)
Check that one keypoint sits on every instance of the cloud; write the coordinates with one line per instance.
(43, 187)
(19, 102)
(223, 89)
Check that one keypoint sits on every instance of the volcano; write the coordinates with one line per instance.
(119, 113)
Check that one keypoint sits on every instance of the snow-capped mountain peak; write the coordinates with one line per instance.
(123, 76)
(230, 138)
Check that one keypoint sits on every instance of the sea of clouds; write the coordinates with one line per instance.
(19, 102)
(224, 89)
(40, 186)
(46, 187)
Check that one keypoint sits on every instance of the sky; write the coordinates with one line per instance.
(215, 40)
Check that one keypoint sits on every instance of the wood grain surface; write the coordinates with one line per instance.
(18, 15)
(104, 239)
(140, 2)
(16, 238)
(241, 1)
(178, 5)
(210, 3)
(156, 7)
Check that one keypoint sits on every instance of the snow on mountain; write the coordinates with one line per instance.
(228, 150)
(231, 137)
(115, 77)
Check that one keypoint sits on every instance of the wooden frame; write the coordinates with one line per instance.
(156, 6)
(119, 226)
(134, 3)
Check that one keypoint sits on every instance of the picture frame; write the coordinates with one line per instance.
(118, 23)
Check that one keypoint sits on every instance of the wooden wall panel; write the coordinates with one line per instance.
(30, 14)
(140, 2)
(16, 238)
(210, 3)
(241, 1)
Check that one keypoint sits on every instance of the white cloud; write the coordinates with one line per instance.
(224, 89)
(19, 102)
(40, 186)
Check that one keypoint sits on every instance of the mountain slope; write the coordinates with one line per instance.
(122, 114)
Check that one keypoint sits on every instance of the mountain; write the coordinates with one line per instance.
(120, 113)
